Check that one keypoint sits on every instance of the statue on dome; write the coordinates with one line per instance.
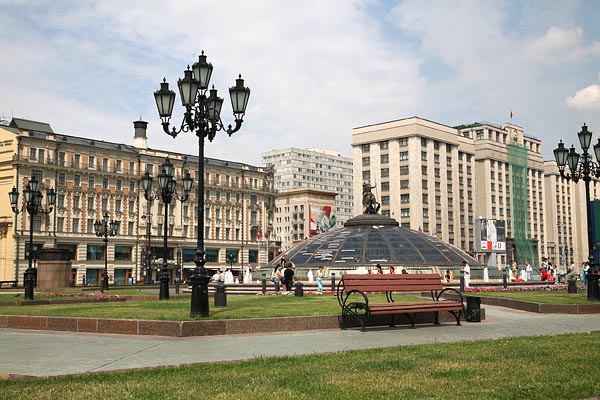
(371, 205)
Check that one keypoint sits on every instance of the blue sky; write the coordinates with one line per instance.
(316, 69)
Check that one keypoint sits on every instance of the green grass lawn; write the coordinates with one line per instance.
(549, 367)
(239, 306)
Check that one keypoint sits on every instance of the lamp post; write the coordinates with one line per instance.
(104, 229)
(167, 193)
(202, 116)
(147, 256)
(33, 206)
(582, 167)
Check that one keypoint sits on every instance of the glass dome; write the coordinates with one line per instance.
(370, 239)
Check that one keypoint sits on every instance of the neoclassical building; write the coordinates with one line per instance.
(92, 177)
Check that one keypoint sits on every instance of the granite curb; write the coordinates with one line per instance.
(199, 327)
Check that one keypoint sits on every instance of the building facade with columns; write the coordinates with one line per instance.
(92, 177)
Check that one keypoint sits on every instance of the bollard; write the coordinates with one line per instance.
(28, 282)
(572, 288)
(333, 282)
(299, 292)
(462, 283)
(504, 280)
(264, 283)
(176, 285)
(220, 295)
(83, 280)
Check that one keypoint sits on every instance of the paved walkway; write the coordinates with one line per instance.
(35, 353)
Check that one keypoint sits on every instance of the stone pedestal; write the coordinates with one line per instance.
(54, 269)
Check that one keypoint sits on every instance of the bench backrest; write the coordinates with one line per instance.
(392, 283)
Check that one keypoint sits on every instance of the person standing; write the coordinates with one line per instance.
(277, 279)
(289, 277)
(528, 270)
(584, 270)
(319, 279)
(466, 273)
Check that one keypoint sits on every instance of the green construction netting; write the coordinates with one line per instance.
(518, 160)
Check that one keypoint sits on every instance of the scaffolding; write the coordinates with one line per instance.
(518, 160)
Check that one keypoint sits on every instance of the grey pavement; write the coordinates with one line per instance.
(41, 353)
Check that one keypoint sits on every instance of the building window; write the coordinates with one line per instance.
(385, 186)
(90, 204)
(119, 185)
(75, 225)
(405, 198)
(95, 252)
(364, 148)
(383, 145)
(61, 179)
(385, 200)
(130, 228)
(122, 253)
(403, 155)
(404, 184)
(426, 213)
(366, 161)
(424, 170)
(91, 161)
(105, 183)
(91, 183)
(423, 142)
(385, 172)
(405, 212)
(60, 224)
(403, 142)
(77, 181)
(385, 158)
(403, 170)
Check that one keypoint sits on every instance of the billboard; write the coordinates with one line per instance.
(490, 235)
(321, 219)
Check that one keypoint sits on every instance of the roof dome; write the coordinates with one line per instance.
(370, 239)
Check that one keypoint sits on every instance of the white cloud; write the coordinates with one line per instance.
(560, 45)
(586, 98)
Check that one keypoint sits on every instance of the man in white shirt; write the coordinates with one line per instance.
(466, 273)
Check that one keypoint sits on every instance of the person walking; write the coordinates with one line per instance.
(319, 280)
(466, 273)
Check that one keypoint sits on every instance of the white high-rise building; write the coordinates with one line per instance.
(317, 169)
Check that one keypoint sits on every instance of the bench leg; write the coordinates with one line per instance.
(411, 317)
(436, 321)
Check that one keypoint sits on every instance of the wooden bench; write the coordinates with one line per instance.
(353, 289)
(12, 283)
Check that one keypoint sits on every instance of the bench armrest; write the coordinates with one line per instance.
(456, 292)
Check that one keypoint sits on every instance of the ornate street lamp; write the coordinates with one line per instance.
(202, 115)
(33, 205)
(167, 193)
(582, 167)
(105, 228)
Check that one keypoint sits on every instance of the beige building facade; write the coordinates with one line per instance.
(92, 177)
(297, 212)
(441, 179)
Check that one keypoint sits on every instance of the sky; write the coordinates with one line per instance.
(316, 68)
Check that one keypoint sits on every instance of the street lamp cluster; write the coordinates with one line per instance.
(167, 193)
(583, 167)
(105, 228)
(202, 116)
(33, 205)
